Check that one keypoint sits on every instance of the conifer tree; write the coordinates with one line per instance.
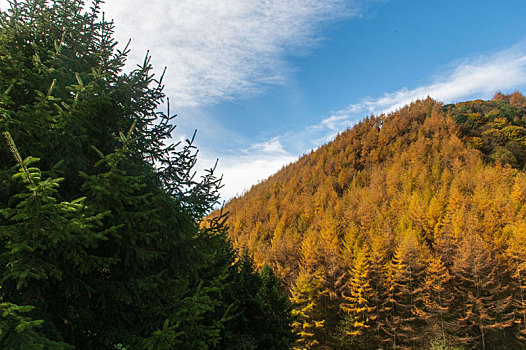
(517, 254)
(437, 299)
(46, 244)
(483, 304)
(402, 314)
(260, 317)
(359, 299)
(275, 325)
(309, 323)
(101, 244)
(387, 312)
(18, 331)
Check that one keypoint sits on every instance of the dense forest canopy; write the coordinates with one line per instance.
(405, 232)
(100, 242)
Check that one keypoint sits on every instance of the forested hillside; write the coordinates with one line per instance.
(407, 231)
(100, 244)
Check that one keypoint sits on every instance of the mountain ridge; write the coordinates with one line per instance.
(414, 189)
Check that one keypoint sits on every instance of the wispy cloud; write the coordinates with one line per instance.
(242, 173)
(478, 77)
(225, 50)
(221, 50)
(243, 169)
(272, 146)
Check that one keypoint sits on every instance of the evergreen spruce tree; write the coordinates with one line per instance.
(46, 250)
(261, 315)
(276, 325)
(18, 331)
(101, 246)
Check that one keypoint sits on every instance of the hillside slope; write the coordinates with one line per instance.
(407, 229)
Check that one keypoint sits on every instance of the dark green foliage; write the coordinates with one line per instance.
(19, 332)
(100, 235)
(261, 316)
(277, 320)
(497, 127)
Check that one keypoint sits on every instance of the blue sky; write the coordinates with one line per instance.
(283, 77)
(265, 81)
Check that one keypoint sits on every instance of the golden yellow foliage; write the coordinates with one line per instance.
(379, 221)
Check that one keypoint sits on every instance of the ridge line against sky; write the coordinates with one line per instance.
(232, 50)
(478, 77)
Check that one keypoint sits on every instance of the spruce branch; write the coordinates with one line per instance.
(125, 141)
(128, 136)
(58, 47)
(50, 90)
(8, 90)
(16, 154)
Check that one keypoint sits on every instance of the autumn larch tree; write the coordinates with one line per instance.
(482, 303)
(359, 300)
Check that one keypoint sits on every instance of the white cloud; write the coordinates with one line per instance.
(272, 146)
(242, 172)
(245, 168)
(220, 50)
(478, 77)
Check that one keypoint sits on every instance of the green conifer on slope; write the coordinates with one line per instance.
(277, 318)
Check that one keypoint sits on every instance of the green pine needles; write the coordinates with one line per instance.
(101, 240)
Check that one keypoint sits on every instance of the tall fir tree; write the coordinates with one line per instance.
(102, 244)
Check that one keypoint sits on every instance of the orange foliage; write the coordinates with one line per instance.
(417, 190)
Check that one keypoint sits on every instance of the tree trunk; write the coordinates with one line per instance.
(483, 340)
